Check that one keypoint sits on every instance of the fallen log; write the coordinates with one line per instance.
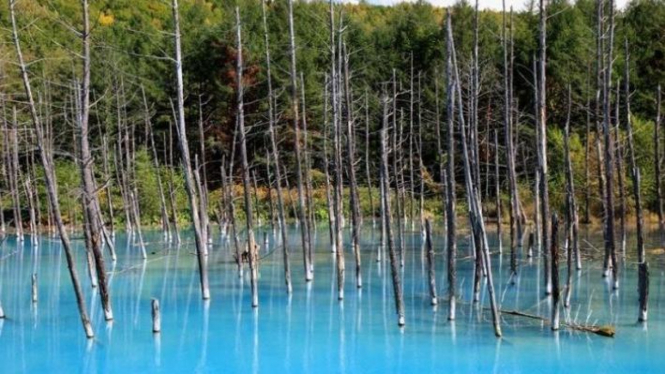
(603, 330)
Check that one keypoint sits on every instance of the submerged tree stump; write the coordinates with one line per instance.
(430, 262)
(643, 287)
(34, 289)
(156, 317)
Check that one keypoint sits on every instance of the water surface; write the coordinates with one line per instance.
(310, 331)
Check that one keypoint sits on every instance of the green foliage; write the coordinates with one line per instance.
(132, 45)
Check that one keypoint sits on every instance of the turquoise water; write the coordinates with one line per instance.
(311, 332)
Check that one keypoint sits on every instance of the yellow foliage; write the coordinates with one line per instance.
(106, 19)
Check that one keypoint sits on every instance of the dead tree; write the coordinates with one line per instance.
(497, 191)
(421, 166)
(90, 201)
(309, 211)
(350, 146)
(13, 166)
(439, 145)
(227, 190)
(450, 175)
(46, 155)
(271, 205)
(475, 206)
(411, 142)
(302, 214)
(367, 163)
(155, 161)
(610, 247)
(397, 286)
(600, 70)
(203, 183)
(571, 210)
(587, 145)
(399, 200)
(339, 244)
(619, 154)
(643, 265)
(275, 155)
(107, 189)
(554, 253)
(192, 193)
(542, 137)
(516, 230)
(430, 264)
(249, 218)
(329, 199)
(656, 145)
(171, 173)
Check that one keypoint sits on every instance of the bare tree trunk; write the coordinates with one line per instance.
(275, 155)
(271, 205)
(309, 212)
(475, 95)
(643, 265)
(13, 169)
(203, 183)
(400, 204)
(302, 214)
(107, 176)
(619, 154)
(475, 206)
(571, 210)
(158, 174)
(187, 166)
(397, 286)
(610, 248)
(516, 230)
(439, 146)
(542, 140)
(251, 244)
(657, 156)
(421, 166)
(587, 145)
(497, 191)
(367, 163)
(355, 205)
(339, 244)
(450, 174)
(90, 202)
(174, 215)
(50, 180)
(430, 264)
(227, 188)
(329, 199)
(554, 253)
(411, 142)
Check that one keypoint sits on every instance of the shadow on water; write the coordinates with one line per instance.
(310, 331)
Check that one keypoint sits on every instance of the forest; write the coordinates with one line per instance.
(130, 68)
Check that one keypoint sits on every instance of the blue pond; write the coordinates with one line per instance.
(311, 332)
